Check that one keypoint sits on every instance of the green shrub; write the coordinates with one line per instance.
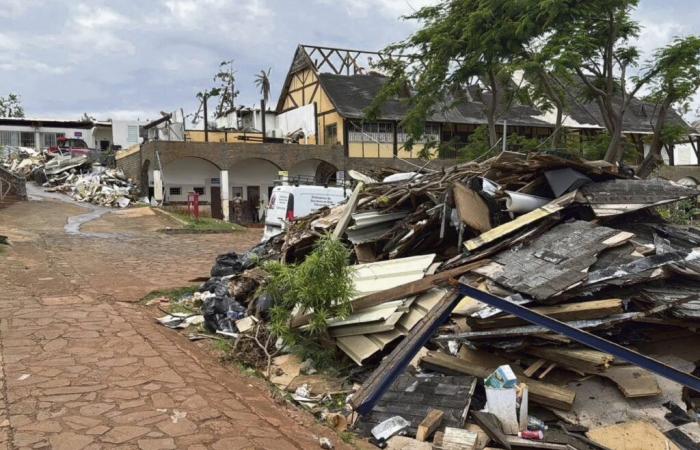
(321, 285)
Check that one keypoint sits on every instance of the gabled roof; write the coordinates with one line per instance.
(352, 95)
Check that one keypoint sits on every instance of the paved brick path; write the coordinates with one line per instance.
(84, 369)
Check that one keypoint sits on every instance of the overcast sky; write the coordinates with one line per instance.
(134, 58)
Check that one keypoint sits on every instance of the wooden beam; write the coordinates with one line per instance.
(594, 309)
(428, 425)
(492, 426)
(534, 367)
(348, 210)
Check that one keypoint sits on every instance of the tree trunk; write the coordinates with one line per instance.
(653, 158)
(556, 137)
(493, 134)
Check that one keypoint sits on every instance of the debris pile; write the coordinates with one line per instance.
(76, 176)
(495, 284)
(21, 160)
(100, 186)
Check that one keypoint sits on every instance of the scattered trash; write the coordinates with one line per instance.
(325, 443)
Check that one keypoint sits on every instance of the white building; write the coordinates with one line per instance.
(42, 133)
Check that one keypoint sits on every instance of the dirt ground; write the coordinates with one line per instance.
(83, 367)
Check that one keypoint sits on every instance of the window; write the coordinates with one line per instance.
(50, 139)
(132, 134)
(331, 135)
(430, 133)
(27, 139)
(199, 190)
(175, 191)
(377, 132)
(9, 138)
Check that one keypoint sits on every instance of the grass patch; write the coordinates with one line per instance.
(204, 224)
(171, 294)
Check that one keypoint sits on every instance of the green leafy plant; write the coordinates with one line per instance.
(680, 213)
(321, 285)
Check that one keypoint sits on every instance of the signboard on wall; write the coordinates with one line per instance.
(78, 134)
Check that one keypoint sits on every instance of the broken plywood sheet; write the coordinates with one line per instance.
(631, 436)
(633, 381)
(284, 369)
(412, 397)
(554, 262)
(613, 197)
(472, 208)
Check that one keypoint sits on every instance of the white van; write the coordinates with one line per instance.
(290, 202)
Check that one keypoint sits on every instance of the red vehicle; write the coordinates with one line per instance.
(70, 146)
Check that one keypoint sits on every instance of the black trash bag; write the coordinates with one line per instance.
(251, 258)
(227, 264)
(220, 313)
(263, 305)
(210, 285)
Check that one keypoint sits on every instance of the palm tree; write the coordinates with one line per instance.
(262, 81)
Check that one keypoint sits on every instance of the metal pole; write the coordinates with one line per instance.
(206, 118)
(505, 134)
(583, 337)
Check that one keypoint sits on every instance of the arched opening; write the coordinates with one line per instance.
(252, 179)
(314, 171)
(190, 174)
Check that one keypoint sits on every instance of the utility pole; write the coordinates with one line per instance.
(262, 115)
(205, 99)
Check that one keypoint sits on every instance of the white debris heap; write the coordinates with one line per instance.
(101, 186)
(75, 176)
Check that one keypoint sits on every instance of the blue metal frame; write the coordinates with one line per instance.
(584, 337)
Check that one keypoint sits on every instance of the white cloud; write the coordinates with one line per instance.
(388, 8)
(15, 8)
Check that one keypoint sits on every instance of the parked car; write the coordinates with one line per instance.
(290, 202)
(71, 146)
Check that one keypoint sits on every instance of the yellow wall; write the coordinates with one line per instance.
(221, 136)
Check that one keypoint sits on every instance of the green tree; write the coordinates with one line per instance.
(676, 78)
(11, 106)
(465, 50)
(594, 41)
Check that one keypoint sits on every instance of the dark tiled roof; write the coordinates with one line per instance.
(353, 94)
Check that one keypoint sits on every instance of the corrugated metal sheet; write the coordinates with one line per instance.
(379, 276)
(361, 347)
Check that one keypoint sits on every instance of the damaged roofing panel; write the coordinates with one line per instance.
(378, 276)
(614, 197)
(555, 261)
(412, 397)
(361, 347)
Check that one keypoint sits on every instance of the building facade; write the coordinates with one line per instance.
(43, 133)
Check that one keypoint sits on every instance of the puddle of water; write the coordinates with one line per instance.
(73, 223)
